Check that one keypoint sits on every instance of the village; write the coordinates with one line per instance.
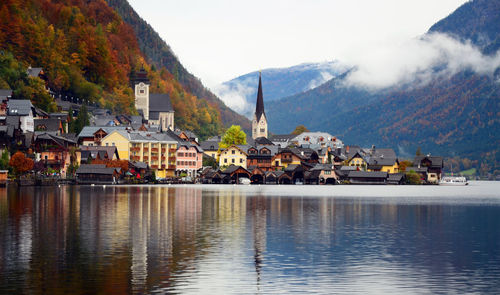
(37, 148)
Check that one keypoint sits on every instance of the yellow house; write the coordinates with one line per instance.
(233, 155)
(391, 166)
(119, 139)
(358, 161)
(157, 150)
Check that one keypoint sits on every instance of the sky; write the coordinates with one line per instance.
(218, 40)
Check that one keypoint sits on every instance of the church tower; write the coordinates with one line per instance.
(259, 122)
(141, 91)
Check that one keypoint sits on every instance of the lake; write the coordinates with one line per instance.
(225, 239)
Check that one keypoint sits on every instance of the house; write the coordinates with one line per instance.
(234, 155)
(186, 135)
(285, 157)
(367, 177)
(86, 154)
(35, 73)
(96, 174)
(233, 173)
(210, 148)
(93, 135)
(326, 174)
(119, 139)
(434, 167)
(261, 156)
(24, 110)
(358, 160)
(323, 139)
(49, 125)
(282, 140)
(189, 159)
(382, 160)
(53, 151)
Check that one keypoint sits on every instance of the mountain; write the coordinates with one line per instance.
(451, 108)
(159, 54)
(87, 50)
(240, 93)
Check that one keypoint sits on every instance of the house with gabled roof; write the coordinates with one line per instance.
(234, 155)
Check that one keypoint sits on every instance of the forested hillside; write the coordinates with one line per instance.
(159, 54)
(88, 51)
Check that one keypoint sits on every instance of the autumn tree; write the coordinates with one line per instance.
(300, 129)
(404, 164)
(20, 163)
(233, 136)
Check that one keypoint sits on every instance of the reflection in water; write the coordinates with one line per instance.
(191, 239)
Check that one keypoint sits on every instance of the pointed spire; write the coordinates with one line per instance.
(259, 109)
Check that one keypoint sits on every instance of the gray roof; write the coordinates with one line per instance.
(159, 103)
(88, 131)
(150, 136)
(19, 107)
(209, 145)
(34, 72)
(13, 121)
(436, 162)
(5, 93)
(106, 151)
(139, 165)
(50, 124)
(281, 137)
(95, 169)
(367, 174)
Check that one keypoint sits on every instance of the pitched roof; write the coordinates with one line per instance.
(282, 137)
(436, 162)
(5, 93)
(19, 107)
(259, 108)
(159, 103)
(367, 174)
(95, 169)
(50, 124)
(88, 131)
(233, 168)
(263, 141)
(34, 72)
(107, 151)
(209, 145)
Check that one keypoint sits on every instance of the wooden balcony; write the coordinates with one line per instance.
(154, 158)
(154, 166)
(135, 149)
(171, 167)
(163, 150)
(154, 150)
(145, 158)
(135, 158)
(163, 158)
(146, 149)
(172, 150)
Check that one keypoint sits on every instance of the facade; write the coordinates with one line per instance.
(23, 109)
(261, 157)
(54, 151)
(155, 149)
(93, 135)
(357, 160)
(119, 139)
(189, 159)
(259, 122)
(434, 167)
(284, 158)
(233, 155)
(155, 108)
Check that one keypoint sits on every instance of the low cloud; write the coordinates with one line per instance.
(322, 78)
(234, 96)
(419, 60)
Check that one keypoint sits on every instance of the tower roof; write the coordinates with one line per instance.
(140, 76)
(259, 109)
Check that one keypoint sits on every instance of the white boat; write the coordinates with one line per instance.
(453, 180)
(244, 180)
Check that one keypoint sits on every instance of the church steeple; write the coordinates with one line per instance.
(259, 123)
(259, 109)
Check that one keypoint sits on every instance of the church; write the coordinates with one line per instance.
(155, 108)
(259, 122)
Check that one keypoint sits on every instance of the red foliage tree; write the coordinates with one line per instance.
(20, 163)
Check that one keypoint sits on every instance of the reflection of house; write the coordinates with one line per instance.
(434, 167)
(54, 151)
(233, 155)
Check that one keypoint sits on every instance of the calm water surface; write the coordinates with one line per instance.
(250, 239)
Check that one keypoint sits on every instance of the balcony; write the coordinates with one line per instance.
(154, 166)
(136, 158)
(163, 166)
(154, 150)
(135, 149)
(286, 160)
(172, 150)
(163, 158)
(163, 150)
(145, 158)
(146, 149)
(171, 167)
(154, 158)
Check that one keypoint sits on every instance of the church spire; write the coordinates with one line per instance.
(259, 109)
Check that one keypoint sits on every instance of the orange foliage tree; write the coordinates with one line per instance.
(20, 163)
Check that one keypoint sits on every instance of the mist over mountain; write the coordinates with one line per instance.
(439, 92)
(240, 93)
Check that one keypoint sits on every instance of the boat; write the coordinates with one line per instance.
(453, 180)
(244, 180)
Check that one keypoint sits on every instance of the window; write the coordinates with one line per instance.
(141, 91)
(107, 143)
(233, 152)
(113, 144)
(232, 161)
(241, 160)
(225, 160)
(328, 172)
(277, 163)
